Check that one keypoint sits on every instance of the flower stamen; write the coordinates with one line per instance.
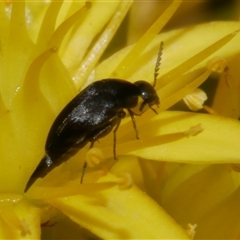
(217, 64)
(125, 180)
(209, 110)
(195, 99)
(191, 230)
(8, 214)
(94, 156)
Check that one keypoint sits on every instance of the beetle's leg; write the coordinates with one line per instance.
(85, 165)
(83, 171)
(98, 135)
(155, 111)
(121, 115)
(115, 138)
(108, 128)
(134, 122)
(115, 120)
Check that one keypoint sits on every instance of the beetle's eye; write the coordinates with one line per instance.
(148, 93)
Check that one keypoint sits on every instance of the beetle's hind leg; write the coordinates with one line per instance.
(83, 171)
(114, 121)
(121, 114)
(99, 134)
(85, 165)
(115, 138)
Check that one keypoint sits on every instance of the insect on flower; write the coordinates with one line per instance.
(93, 114)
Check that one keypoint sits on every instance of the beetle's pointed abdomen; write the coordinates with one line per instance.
(44, 167)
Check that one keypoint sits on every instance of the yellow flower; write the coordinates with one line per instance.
(176, 181)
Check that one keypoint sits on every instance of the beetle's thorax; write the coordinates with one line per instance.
(125, 93)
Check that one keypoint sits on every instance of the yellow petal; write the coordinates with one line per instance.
(124, 68)
(186, 43)
(75, 51)
(176, 140)
(120, 214)
(226, 98)
(19, 220)
(16, 54)
(222, 220)
(198, 190)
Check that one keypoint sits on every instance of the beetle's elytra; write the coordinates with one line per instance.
(91, 115)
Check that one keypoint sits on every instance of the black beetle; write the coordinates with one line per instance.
(91, 115)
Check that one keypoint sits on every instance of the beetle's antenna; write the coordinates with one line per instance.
(158, 62)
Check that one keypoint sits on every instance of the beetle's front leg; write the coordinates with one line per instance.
(133, 122)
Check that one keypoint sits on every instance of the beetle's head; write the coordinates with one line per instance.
(148, 94)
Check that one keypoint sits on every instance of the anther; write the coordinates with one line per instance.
(94, 156)
(217, 64)
(125, 180)
(196, 99)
